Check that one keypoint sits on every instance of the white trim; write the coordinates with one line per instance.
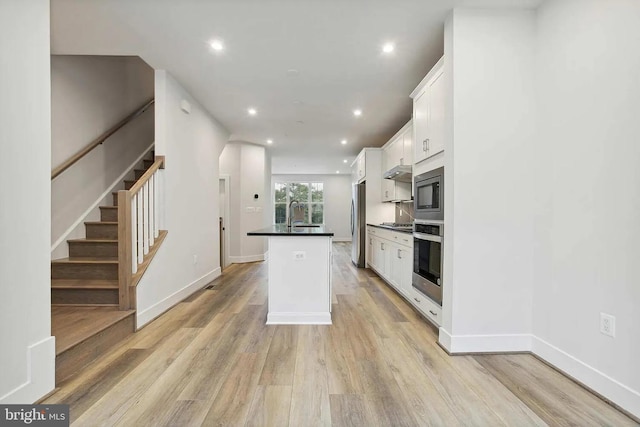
(485, 343)
(342, 239)
(247, 258)
(41, 374)
(96, 204)
(226, 262)
(160, 307)
(623, 396)
(299, 319)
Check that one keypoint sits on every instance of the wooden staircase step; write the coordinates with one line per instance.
(85, 333)
(128, 184)
(101, 230)
(109, 213)
(138, 173)
(85, 268)
(98, 248)
(84, 292)
(83, 284)
(148, 163)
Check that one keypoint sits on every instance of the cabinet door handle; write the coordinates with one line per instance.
(401, 161)
(425, 145)
(399, 257)
(435, 314)
(382, 246)
(417, 300)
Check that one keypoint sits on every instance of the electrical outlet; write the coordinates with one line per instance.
(299, 255)
(608, 324)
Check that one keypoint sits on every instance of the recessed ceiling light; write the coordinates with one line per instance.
(388, 47)
(343, 142)
(269, 141)
(252, 111)
(357, 112)
(344, 161)
(216, 45)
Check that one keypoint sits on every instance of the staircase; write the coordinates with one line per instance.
(85, 292)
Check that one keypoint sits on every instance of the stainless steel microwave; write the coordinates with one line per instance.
(428, 198)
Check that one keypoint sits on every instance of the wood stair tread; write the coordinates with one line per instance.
(85, 240)
(83, 284)
(86, 260)
(73, 325)
(101, 222)
(108, 207)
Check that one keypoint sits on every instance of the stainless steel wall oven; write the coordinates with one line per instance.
(427, 259)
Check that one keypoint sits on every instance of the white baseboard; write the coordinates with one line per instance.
(96, 204)
(160, 307)
(484, 343)
(248, 258)
(299, 319)
(609, 388)
(342, 239)
(41, 374)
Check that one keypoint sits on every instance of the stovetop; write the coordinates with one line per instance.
(398, 224)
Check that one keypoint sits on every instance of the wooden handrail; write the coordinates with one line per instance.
(128, 236)
(158, 164)
(93, 144)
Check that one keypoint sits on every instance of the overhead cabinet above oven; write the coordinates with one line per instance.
(428, 114)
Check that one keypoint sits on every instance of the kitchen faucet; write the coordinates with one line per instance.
(290, 212)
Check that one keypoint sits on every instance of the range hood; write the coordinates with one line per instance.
(400, 173)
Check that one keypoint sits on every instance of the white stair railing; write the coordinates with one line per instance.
(138, 226)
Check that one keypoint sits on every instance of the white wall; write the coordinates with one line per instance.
(588, 193)
(337, 201)
(249, 168)
(189, 257)
(27, 349)
(492, 224)
(89, 94)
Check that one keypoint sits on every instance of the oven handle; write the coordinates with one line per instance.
(429, 237)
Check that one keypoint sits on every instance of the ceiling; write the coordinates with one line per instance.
(304, 65)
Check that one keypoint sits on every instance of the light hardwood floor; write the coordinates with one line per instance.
(211, 360)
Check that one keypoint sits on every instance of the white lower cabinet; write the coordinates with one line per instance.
(427, 307)
(392, 259)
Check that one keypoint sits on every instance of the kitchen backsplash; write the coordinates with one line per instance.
(404, 212)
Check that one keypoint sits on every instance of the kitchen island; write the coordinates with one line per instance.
(299, 288)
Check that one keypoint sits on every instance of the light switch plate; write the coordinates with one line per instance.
(299, 255)
(251, 209)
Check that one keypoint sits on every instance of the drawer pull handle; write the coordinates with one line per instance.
(431, 311)
(417, 300)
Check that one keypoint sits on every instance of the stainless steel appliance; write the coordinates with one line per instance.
(358, 225)
(427, 259)
(428, 198)
(400, 173)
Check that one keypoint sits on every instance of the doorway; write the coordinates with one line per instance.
(224, 221)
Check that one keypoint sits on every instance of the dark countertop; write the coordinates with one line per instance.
(398, 229)
(283, 230)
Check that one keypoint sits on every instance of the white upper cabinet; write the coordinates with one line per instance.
(428, 114)
(397, 152)
(358, 168)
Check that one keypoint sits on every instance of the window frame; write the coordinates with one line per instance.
(309, 203)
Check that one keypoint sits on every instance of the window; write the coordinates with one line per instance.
(309, 195)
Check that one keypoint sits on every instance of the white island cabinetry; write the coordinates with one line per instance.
(299, 288)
